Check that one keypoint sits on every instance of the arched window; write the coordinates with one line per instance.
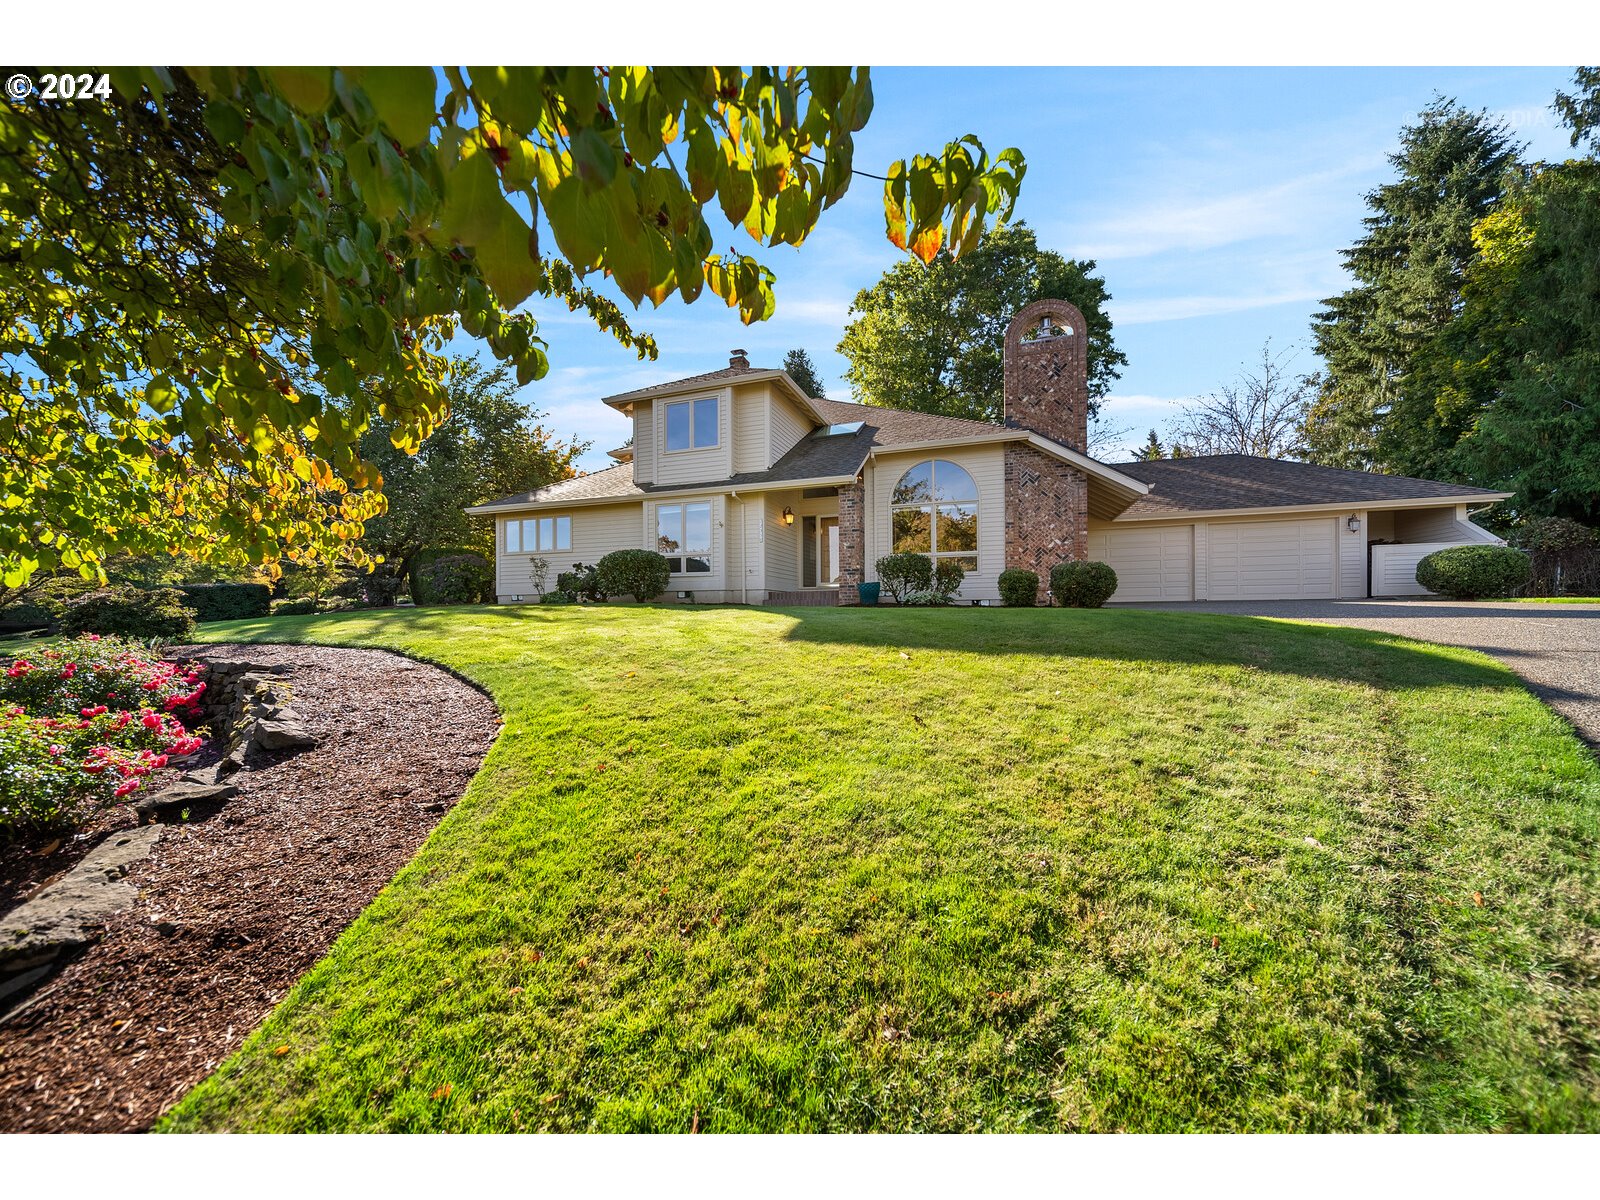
(934, 510)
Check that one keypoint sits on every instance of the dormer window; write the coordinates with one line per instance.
(692, 425)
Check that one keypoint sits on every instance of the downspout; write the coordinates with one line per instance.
(744, 567)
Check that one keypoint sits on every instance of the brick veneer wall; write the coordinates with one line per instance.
(1047, 511)
(852, 541)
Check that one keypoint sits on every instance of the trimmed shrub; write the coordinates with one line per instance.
(453, 579)
(904, 573)
(947, 577)
(1473, 572)
(643, 574)
(300, 606)
(226, 601)
(556, 598)
(1082, 584)
(144, 613)
(580, 583)
(928, 599)
(1018, 588)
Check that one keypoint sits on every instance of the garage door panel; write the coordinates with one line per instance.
(1272, 560)
(1151, 564)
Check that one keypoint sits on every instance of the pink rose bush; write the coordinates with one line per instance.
(83, 723)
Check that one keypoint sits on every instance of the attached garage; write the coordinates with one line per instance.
(1272, 560)
(1152, 564)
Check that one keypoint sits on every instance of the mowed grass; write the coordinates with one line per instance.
(843, 869)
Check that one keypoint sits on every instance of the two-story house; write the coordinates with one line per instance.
(757, 493)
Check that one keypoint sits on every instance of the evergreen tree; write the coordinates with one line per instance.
(804, 372)
(1151, 450)
(930, 338)
(1408, 269)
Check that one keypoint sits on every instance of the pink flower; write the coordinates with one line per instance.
(93, 712)
(68, 671)
(55, 751)
(151, 721)
(123, 789)
(94, 768)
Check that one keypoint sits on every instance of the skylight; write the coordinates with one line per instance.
(835, 430)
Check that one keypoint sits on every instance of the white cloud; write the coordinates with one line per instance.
(1181, 308)
(1194, 218)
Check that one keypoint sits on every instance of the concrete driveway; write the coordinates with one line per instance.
(1554, 647)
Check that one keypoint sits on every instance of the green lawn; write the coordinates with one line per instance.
(844, 869)
(1558, 599)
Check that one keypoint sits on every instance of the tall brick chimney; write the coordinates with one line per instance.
(1047, 373)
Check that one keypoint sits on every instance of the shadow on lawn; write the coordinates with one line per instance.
(1203, 639)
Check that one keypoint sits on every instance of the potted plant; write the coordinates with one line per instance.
(868, 592)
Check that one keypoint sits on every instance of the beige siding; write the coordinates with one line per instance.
(787, 424)
(751, 406)
(1353, 560)
(781, 545)
(644, 443)
(1427, 525)
(595, 533)
(986, 465)
(1202, 542)
(747, 539)
(694, 466)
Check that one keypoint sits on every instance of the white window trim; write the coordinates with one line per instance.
(691, 448)
(519, 526)
(710, 554)
(933, 551)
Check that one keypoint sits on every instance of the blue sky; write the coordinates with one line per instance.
(1215, 201)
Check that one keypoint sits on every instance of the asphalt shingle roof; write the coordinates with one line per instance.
(1220, 481)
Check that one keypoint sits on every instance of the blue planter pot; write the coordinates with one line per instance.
(868, 592)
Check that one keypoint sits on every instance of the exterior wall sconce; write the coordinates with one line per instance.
(1353, 523)
(788, 515)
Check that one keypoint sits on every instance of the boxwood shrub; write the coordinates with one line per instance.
(1473, 572)
(642, 574)
(1082, 584)
(226, 601)
(1019, 588)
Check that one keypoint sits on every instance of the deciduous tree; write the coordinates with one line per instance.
(1260, 413)
(930, 338)
(215, 281)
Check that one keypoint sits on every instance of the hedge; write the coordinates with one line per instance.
(226, 601)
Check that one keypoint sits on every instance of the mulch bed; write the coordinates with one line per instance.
(237, 907)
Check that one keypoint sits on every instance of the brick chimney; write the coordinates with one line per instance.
(1047, 373)
(739, 361)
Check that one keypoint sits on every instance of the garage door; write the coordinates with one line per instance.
(1272, 560)
(1151, 564)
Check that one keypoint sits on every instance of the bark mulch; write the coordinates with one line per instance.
(237, 907)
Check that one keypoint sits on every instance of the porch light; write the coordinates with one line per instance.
(1353, 523)
(788, 515)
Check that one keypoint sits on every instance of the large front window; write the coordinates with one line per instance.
(692, 425)
(539, 535)
(934, 511)
(683, 534)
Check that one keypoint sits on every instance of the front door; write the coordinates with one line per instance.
(819, 552)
